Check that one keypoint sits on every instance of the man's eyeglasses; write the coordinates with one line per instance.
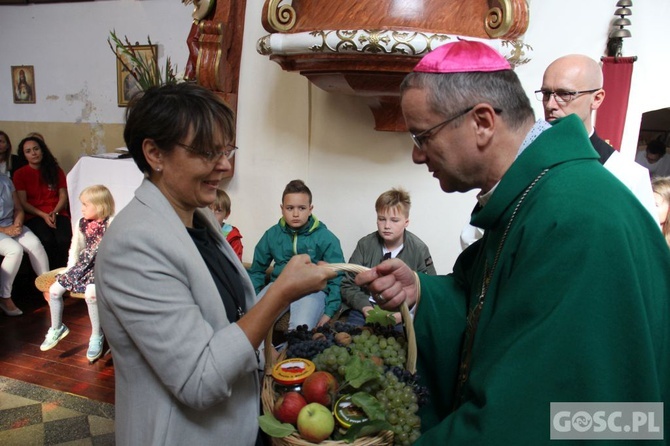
(562, 97)
(421, 137)
(211, 156)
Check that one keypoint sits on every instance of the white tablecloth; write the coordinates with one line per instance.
(120, 176)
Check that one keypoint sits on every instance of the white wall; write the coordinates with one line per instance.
(288, 129)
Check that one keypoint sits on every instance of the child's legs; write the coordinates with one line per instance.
(92, 303)
(308, 310)
(36, 253)
(56, 292)
(13, 253)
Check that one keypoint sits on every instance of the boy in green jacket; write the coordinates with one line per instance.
(299, 232)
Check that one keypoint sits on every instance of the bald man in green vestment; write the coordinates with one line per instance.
(564, 299)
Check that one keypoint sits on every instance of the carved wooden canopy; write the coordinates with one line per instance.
(366, 47)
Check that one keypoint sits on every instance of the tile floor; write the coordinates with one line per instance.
(33, 415)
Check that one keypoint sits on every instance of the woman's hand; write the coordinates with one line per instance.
(391, 283)
(298, 278)
(9, 230)
(14, 230)
(49, 219)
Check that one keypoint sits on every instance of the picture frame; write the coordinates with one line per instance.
(126, 85)
(23, 84)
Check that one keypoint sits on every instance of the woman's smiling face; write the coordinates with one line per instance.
(189, 180)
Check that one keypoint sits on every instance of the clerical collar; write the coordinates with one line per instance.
(540, 126)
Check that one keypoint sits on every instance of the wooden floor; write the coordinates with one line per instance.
(64, 367)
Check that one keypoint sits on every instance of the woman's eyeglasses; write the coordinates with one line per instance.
(209, 155)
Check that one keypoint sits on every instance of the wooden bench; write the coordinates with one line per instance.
(44, 281)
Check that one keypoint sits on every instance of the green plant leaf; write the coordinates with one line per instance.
(381, 317)
(358, 371)
(275, 428)
(370, 405)
(145, 70)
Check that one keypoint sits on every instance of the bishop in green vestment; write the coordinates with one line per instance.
(564, 299)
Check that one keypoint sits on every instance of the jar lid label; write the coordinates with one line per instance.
(347, 413)
(292, 371)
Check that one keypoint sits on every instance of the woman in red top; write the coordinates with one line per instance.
(42, 190)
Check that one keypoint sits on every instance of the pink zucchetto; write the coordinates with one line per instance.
(463, 56)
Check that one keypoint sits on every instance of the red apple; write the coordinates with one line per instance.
(315, 422)
(320, 387)
(288, 406)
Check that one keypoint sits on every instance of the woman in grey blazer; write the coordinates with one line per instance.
(176, 304)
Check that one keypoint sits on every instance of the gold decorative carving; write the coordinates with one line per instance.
(202, 8)
(518, 55)
(263, 46)
(506, 18)
(376, 42)
(208, 71)
(281, 18)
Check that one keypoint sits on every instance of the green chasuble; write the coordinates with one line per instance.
(577, 308)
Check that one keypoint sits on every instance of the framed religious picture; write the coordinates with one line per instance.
(23, 84)
(129, 59)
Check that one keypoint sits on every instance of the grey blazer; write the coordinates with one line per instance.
(184, 373)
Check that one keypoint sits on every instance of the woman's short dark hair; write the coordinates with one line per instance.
(49, 164)
(167, 115)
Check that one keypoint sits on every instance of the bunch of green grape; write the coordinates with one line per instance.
(398, 397)
(392, 350)
(401, 406)
(333, 360)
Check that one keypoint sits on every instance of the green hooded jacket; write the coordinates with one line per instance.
(281, 242)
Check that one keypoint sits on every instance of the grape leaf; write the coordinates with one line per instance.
(364, 429)
(358, 371)
(275, 428)
(370, 405)
(381, 317)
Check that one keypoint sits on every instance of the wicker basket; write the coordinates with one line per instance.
(383, 438)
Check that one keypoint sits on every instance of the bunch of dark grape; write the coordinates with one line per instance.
(307, 349)
(303, 344)
(386, 331)
(343, 327)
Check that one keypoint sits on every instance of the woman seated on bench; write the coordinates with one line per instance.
(42, 189)
(14, 239)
